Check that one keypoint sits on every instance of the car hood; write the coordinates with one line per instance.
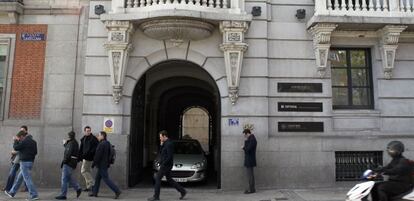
(188, 158)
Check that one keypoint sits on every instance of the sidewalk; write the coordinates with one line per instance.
(168, 194)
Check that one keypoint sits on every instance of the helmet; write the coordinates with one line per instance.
(395, 148)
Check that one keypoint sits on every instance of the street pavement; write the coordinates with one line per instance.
(168, 194)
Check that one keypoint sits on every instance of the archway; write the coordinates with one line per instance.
(160, 98)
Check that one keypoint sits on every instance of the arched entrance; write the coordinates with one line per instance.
(160, 100)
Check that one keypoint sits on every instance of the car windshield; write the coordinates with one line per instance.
(187, 147)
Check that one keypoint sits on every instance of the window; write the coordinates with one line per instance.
(351, 79)
(6, 42)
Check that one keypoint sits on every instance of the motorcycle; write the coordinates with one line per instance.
(360, 192)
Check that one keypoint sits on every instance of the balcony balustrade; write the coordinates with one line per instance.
(365, 8)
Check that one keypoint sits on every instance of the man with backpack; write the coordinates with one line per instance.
(69, 163)
(104, 157)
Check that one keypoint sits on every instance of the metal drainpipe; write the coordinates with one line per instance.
(76, 67)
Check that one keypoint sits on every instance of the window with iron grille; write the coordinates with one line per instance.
(350, 165)
(351, 79)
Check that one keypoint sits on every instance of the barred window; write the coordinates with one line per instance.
(351, 79)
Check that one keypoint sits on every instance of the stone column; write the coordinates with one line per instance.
(118, 47)
(389, 36)
(321, 43)
(233, 47)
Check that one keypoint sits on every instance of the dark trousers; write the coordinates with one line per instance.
(12, 176)
(250, 178)
(103, 174)
(167, 173)
(384, 191)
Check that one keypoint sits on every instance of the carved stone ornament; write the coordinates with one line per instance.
(233, 47)
(118, 47)
(321, 34)
(389, 36)
(177, 29)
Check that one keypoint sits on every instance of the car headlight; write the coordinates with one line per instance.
(197, 165)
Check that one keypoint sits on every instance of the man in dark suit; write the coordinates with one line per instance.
(166, 164)
(249, 148)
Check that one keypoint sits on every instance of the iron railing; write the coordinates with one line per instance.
(350, 165)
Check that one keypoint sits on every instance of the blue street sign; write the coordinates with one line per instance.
(33, 36)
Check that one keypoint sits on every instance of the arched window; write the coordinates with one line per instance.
(196, 123)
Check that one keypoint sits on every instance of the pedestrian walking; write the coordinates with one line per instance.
(86, 154)
(249, 148)
(27, 148)
(166, 165)
(69, 163)
(15, 166)
(102, 161)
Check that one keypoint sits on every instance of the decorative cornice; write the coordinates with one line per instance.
(118, 47)
(321, 34)
(233, 47)
(388, 40)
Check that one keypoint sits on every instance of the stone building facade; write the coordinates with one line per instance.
(325, 85)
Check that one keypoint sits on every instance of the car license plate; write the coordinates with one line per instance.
(180, 179)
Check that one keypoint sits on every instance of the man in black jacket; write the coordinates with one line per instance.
(166, 164)
(27, 148)
(249, 148)
(86, 154)
(400, 174)
(102, 162)
(69, 163)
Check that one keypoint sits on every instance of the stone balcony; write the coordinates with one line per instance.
(363, 14)
(213, 10)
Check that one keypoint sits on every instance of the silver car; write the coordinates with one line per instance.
(190, 163)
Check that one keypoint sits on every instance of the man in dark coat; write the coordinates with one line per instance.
(27, 148)
(102, 162)
(249, 148)
(86, 154)
(166, 165)
(69, 163)
(399, 171)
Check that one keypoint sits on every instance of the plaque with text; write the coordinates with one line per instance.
(300, 126)
(299, 107)
(33, 36)
(299, 87)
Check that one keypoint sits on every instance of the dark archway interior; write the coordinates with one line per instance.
(160, 98)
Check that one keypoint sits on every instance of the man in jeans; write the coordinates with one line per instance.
(15, 161)
(27, 148)
(69, 163)
(102, 162)
(86, 155)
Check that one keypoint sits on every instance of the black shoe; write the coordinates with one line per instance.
(183, 194)
(93, 195)
(60, 197)
(9, 194)
(249, 192)
(153, 199)
(87, 189)
(78, 193)
(117, 194)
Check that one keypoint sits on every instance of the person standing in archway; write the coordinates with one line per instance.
(86, 154)
(166, 165)
(249, 148)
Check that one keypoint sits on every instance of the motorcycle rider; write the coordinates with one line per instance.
(399, 171)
